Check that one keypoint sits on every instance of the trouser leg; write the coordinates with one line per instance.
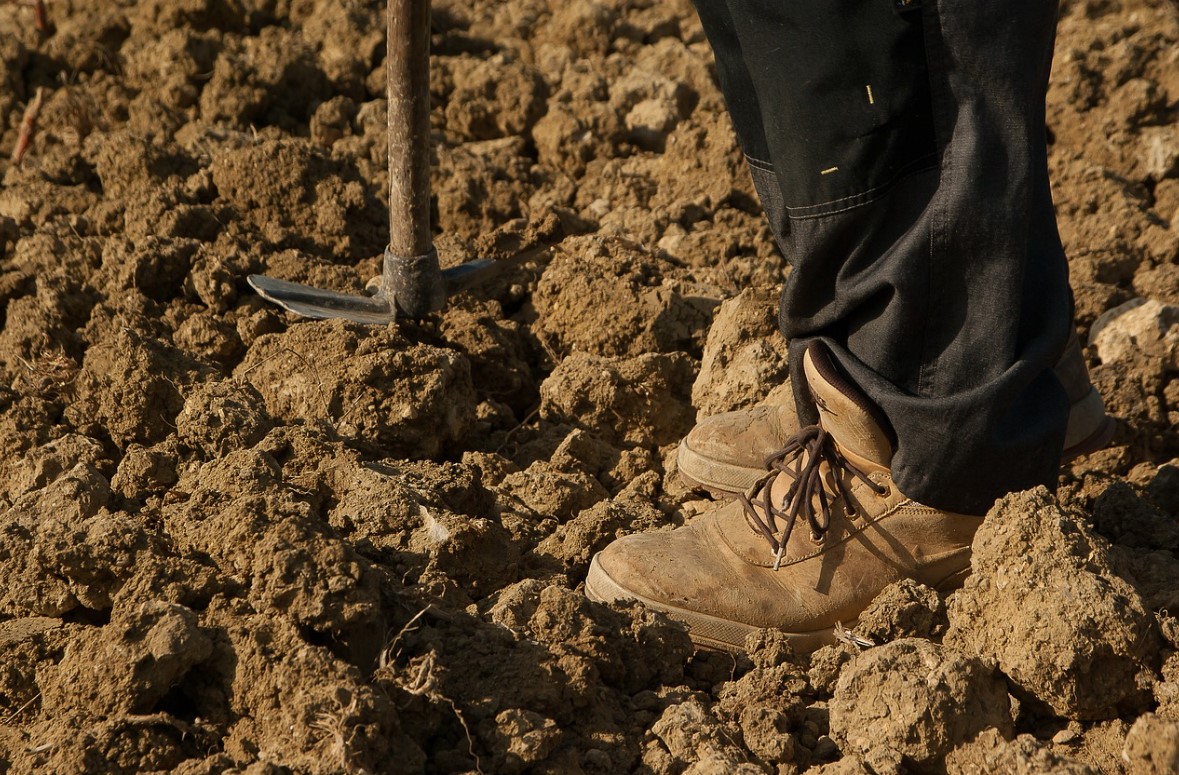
(900, 155)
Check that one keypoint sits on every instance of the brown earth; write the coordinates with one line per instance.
(234, 541)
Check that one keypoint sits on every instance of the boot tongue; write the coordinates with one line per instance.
(845, 412)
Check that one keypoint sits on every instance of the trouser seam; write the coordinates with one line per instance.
(761, 164)
(934, 69)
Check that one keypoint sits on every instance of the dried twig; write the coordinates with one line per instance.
(527, 419)
(28, 126)
(425, 682)
(40, 17)
(50, 372)
(12, 716)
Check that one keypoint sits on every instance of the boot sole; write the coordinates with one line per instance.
(1092, 425)
(716, 477)
(709, 632)
(722, 480)
(716, 634)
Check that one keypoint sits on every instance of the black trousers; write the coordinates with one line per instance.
(899, 152)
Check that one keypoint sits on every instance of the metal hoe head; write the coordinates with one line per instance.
(407, 288)
(411, 284)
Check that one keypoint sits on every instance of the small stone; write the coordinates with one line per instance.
(1138, 327)
(825, 748)
(597, 759)
(1065, 736)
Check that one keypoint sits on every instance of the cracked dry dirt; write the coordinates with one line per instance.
(232, 541)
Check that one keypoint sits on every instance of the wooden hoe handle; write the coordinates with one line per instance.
(409, 127)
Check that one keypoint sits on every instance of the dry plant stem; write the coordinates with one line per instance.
(28, 126)
(40, 17)
(12, 716)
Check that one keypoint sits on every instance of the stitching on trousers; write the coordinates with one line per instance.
(764, 166)
(928, 161)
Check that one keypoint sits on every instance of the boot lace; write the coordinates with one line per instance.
(802, 460)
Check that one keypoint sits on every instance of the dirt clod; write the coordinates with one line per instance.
(908, 703)
(991, 752)
(641, 400)
(744, 357)
(1032, 564)
(613, 298)
(411, 399)
(146, 651)
(1152, 746)
(234, 540)
(905, 609)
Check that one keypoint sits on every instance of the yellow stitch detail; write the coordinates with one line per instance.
(828, 171)
(871, 100)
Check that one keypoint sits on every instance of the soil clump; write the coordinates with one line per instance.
(236, 541)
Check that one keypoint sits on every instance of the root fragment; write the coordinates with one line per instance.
(28, 126)
(340, 730)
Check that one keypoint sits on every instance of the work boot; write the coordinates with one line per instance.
(726, 454)
(807, 548)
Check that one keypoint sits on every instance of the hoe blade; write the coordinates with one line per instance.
(380, 307)
(314, 302)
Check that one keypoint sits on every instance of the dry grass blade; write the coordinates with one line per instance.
(392, 649)
(425, 684)
(50, 373)
(845, 635)
(340, 729)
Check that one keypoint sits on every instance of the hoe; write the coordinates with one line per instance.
(411, 284)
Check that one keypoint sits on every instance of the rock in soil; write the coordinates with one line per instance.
(1138, 327)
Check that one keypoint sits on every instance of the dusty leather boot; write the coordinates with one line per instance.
(807, 548)
(726, 454)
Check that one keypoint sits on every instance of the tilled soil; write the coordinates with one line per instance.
(232, 540)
